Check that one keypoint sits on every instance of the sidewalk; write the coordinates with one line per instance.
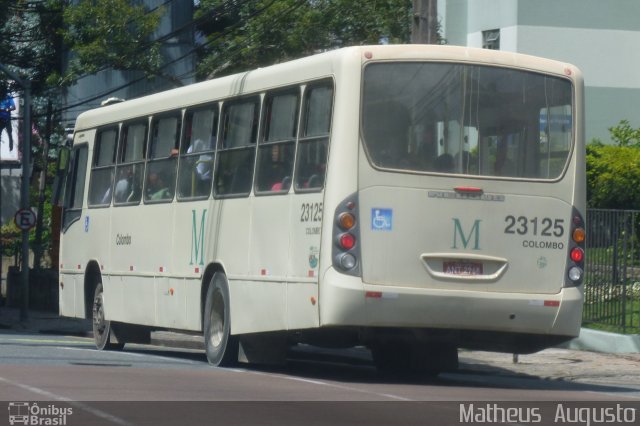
(42, 322)
(581, 359)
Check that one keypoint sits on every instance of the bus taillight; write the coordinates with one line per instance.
(347, 241)
(346, 250)
(577, 254)
(575, 266)
(579, 235)
(346, 221)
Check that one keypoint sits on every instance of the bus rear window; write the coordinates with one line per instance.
(467, 119)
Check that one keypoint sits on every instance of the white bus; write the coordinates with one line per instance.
(412, 199)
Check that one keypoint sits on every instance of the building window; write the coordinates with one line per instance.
(491, 39)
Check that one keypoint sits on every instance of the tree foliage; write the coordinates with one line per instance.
(117, 34)
(241, 35)
(29, 41)
(625, 135)
(613, 171)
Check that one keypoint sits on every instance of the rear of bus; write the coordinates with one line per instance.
(467, 225)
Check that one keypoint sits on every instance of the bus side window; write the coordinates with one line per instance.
(74, 188)
(236, 148)
(313, 145)
(102, 170)
(197, 152)
(130, 164)
(277, 146)
(160, 178)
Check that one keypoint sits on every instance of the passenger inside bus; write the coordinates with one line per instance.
(124, 185)
(157, 187)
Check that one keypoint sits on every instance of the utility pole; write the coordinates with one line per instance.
(424, 29)
(37, 257)
(24, 189)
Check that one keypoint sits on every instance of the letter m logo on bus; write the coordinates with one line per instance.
(197, 238)
(465, 238)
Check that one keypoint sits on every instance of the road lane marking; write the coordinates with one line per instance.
(138, 355)
(84, 407)
(321, 383)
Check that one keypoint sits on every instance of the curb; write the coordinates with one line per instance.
(602, 341)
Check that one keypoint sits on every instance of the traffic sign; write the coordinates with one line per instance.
(25, 219)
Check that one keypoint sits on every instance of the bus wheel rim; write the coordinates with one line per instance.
(217, 320)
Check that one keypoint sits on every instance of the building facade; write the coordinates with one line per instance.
(601, 37)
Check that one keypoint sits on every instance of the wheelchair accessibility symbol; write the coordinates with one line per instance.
(381, 219)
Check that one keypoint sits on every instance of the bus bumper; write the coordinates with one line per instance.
(347, 301)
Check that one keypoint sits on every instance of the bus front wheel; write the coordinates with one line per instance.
(102, 327)
(220, 345)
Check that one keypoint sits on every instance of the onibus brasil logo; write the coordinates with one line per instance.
(27, 413)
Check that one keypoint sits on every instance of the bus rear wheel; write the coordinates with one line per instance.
(220, 345)
(101, 326)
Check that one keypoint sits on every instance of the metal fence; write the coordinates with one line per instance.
(612, 286)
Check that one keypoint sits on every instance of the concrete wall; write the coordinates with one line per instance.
(601, 37)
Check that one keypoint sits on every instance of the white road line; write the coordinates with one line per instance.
(322, 383)
(84, 407)
(134, 354)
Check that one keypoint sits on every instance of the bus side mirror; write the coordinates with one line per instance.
(62, 168)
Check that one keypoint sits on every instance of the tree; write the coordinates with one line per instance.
(29, 41)
(625, 135)
(613, 171)
(116, 34)
(242, 35)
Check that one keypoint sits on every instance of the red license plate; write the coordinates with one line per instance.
(462, 268)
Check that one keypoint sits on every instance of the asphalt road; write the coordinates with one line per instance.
(154, 385)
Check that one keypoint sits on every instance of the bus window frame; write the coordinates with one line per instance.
(304, 139)
(70, 215)
(94, 167)
(253, 143)
(298, 91)
(171, 157)
(184, 156)
(120, 162)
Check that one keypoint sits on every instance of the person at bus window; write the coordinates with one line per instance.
(124, 185)
(204, 161)
(284, 185)
(157, 188)
(6, 106)
(316, 179)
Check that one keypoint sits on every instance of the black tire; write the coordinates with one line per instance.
(102, 327)
(220, 345)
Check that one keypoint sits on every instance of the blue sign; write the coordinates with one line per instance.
(381, 219)
(86, 224)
